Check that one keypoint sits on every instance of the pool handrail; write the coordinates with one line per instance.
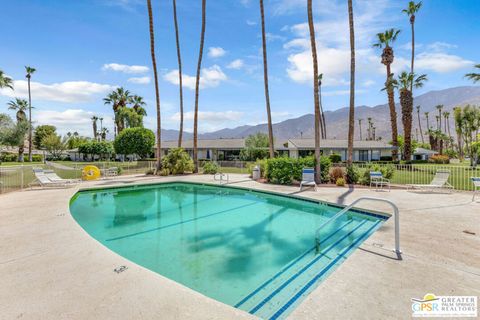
(341, 212)
(221, 177)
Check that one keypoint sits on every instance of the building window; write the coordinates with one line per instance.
(362, 155)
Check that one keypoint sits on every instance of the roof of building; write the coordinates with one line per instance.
(337, 144)
(424, 151)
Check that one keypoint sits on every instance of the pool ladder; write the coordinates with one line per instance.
(344, 210)
(221, 177)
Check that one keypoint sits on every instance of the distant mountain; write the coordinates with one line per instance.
(337, 121)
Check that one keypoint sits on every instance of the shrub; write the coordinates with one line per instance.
(340, 182)
(100, 148)
(285, 170)
(336, 173)
(439, 159)
(138, 141)
(335, 158)
(177, 161)
(387, 171)
(261, 164)
(352, 174)
(8, 157)
(210, 168)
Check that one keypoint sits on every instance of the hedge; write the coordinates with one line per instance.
(286, 170)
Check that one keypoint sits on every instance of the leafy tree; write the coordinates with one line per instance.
(467, 121)
(94, 147)
(40, 133)
(55, 145)
(20, 106)
(256, 147)
(177, 161)
(5, 82)
(138, 141)
(130, 117)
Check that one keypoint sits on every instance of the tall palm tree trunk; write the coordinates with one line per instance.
(316, 99)
(351, 116)
(29, 123)
(157, 93)
(323, 126)
(197, 87)
(420, 124)
(406, 101)
(360, 128)
(393, 115)
(180, 77)
(265, 80)
(412, 62)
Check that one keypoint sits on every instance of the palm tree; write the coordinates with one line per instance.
(94, 126)
(197, 87)
(475, 77)
(439, 123)
(29, 71)
(20, 106)
(420, 124)
(412, 9)
(138, 104)
(323, 125)
(404, 83)
(385, 39)
(157, 93)
(369, 129)
(119, 98)
(265, 80)
(446, 116)
(316, 99)
(180, 77)
(5, 82)
(428, 122)
(360, 128)
(351, 116)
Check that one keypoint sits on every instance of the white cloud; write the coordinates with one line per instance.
(236, 64)
(368, 83)
(441, 62)
(139, 80)
(68, 92)
(216, 52)
(273, 37)
(209, 78)
(210, 116)
(71, 120)
(124, 68)
(251, 23)
(341, 92)
(298, 43)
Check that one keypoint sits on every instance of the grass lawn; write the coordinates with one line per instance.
(8, 164)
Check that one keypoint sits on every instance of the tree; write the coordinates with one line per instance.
(157, 93)
(475, 77)
(385, 39)
(138, 105)
(412, 9)
(139, 141)
(316, 99)
(12, 134)
(446, 116)
(55, 145)
(129, 117)
(467, 120)
(420, 124)
(5, 82)
(265, 81)
(40, 133)
(351, 116)
(180, 77)
(404, 83)
(360, 128)
(439, 119)
(93, 147)
(256, 147)
(118, 99)
(177, 161)
(94, 126)
(323, 125)
(20, 106)
(197, 89)
(29, 71)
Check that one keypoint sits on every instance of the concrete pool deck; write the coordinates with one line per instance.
(50, 268)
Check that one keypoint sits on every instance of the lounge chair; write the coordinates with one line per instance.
(308, 178)
(55, 178)
(42, 180)
(476, 186)
(440, 181)
(377, 179)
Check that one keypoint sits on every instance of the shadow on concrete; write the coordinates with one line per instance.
(398, 255)
(341, 198)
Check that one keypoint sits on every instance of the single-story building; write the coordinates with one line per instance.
(229, 149)
(423, 154)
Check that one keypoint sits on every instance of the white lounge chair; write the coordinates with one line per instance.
(377, 179)
(440, 181)
(55, 178)
(42, 180)
(476, 186)
(308, 178)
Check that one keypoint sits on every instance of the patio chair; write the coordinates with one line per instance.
(377, 179)
(308, 178)
(55, 178)
(476, 186)
(42, 180)
(440, 181)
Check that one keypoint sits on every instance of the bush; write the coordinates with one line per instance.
(8, 157)
(335, 158)
(336, 173)
(100, 148)
(285, 170)
(387, 171)
(340, 182)
(210, 168)
(138, 141)
(439, 159)
(177, 161)
(352, 174)
(261, 164)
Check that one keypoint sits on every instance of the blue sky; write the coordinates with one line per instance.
(84, 49)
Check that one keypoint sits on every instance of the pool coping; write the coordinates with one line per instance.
(373, 213)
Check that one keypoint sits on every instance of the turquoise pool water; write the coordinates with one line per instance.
(252, 250)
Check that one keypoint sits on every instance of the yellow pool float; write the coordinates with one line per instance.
(90, 173)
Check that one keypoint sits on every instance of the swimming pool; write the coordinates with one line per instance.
(252, 250)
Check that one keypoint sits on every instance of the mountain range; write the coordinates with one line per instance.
(337, 121)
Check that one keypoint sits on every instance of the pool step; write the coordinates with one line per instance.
(277, 295)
